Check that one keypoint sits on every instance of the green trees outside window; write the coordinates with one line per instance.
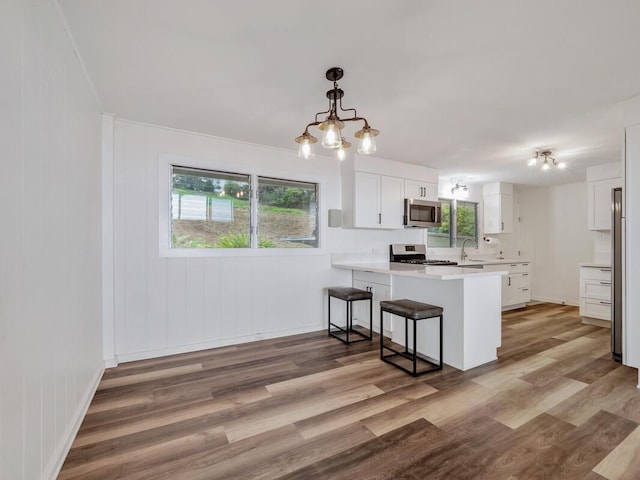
(459, 222)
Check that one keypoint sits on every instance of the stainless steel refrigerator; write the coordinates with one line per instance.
(616, 273)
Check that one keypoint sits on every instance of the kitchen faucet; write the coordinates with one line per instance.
(464, 255)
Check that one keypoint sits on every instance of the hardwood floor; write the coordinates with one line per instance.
(553, 406)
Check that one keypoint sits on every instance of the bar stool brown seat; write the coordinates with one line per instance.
(349, 295)
(415, 311)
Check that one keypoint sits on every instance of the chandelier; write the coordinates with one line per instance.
(547, 161)
(333, 124)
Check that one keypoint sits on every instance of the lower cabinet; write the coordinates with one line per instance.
(595, 292)
(379, 284)
(516, 286)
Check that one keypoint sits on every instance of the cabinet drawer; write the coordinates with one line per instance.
(518, 267)
(519, 280)
(595, 308)
(372, 277)
(600, 290)
(595, 273)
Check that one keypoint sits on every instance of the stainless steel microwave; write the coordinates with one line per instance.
(421, 213)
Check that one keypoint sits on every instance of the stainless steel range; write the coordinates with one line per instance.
(414, 253)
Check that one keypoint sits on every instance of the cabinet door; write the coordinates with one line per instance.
(366, 201)
(415, 189)
(506, 214)
(391, 202)
(599, 203)
(498, 213)
(491, 207)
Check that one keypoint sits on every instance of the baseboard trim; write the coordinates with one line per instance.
(554, 300)
(194, 347)
(55, 465)
(596, 321)
(111, 363)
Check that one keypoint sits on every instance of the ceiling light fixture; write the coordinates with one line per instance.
(332, 125)
(460, 191)
(547, 160)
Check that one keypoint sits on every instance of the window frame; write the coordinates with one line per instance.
(165, 164)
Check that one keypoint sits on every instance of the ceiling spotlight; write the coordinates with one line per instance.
(547, 161)
(332, 125)
(460, 191)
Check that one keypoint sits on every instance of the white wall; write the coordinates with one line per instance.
(167, 305)
(50, 306)
(631, 210)
(554, 236)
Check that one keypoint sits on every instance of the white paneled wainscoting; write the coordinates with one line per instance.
(166, 303)
(50, 287)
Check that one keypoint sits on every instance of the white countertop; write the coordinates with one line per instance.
(492, 261)
(420, 271)
(595, 265)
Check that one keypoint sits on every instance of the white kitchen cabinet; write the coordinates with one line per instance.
(595, 292)
(420, 190)
(498, 207)
(373, 190)
(599, 203)
(377, 201)
(516, 285)
(379, 284)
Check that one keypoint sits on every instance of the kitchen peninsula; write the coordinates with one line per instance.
(470, 297)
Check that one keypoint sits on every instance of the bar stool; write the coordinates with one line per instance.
(349, 295)
(415, 311)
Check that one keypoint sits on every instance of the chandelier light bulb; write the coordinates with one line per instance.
(342, 150)
(562, 165)
(367, 140)
(533, 161)
(545, 165)
(331, 137)
(305, 149)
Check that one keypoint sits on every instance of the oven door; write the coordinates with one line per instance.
(421, 213)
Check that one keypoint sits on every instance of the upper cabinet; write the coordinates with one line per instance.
(498, 207)
(377, 201)
(600, 180)
(374, 189)
(421, 190)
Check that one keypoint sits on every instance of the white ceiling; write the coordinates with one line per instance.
(471, 88)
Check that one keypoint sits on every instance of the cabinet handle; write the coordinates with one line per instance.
(509, 281)
(525, 274)
(525, 289)
(605, 283)
(605, 269)
(501, 226)
(379, 218)
(513, 265)
(605, 303)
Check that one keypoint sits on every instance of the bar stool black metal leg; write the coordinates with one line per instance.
(329, 316)
(441, 353)
(406, 336)
(381, 336)
(415, 347)
(371, 320)
(347, 322)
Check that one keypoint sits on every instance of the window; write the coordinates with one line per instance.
(459, 222)
(213, 209)
(287, 214)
